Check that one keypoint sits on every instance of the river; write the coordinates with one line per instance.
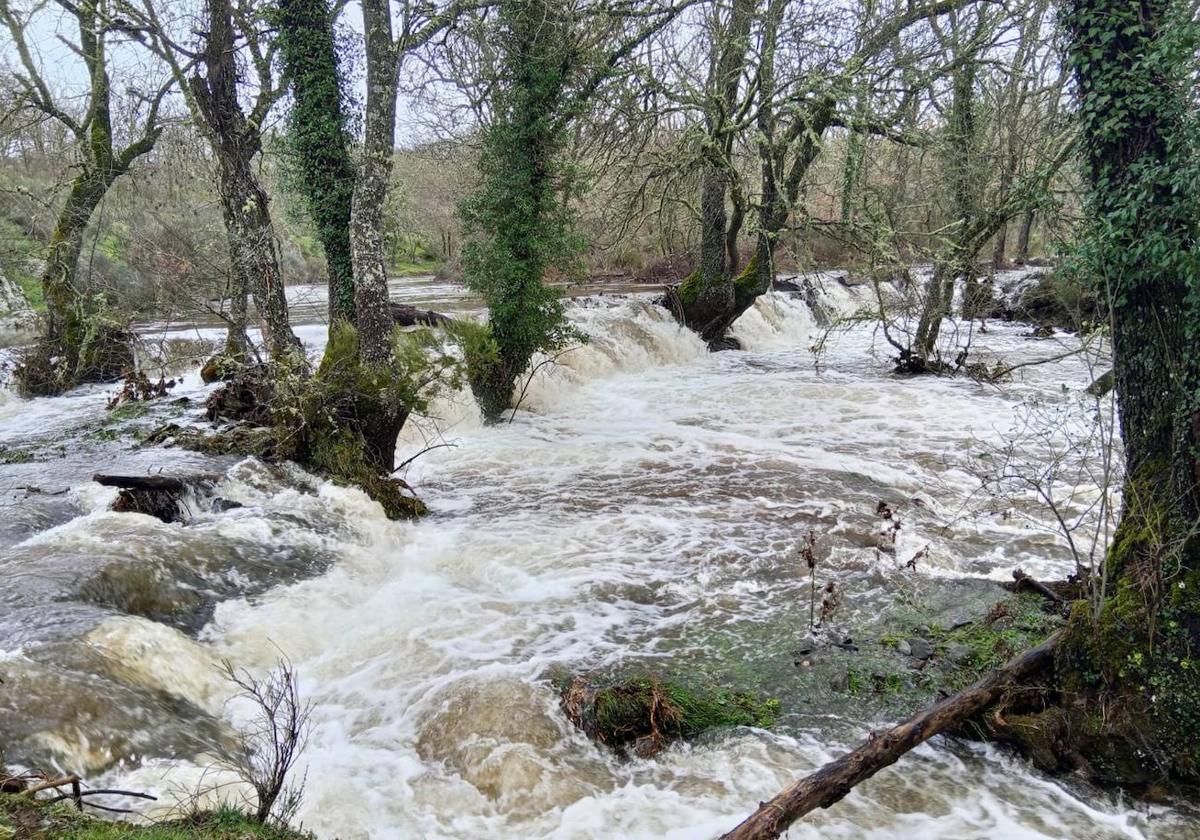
(645, 505)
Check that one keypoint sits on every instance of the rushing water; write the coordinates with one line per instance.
(644, 506)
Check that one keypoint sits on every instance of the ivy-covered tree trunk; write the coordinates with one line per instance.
(1130, 685)
(518, 223)
(318, 139)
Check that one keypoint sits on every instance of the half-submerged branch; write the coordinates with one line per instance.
(836, 779)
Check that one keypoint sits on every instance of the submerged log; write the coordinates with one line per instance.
(832, 782)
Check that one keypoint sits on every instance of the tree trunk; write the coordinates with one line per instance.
(707, 296)
(254, 261)
(939, 295)
(1000, 251)
(370, 188)
(237, 345)
(1022, 255)
(1126, 663)
(65, 304)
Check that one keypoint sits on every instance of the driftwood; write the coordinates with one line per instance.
(409, 316)
(153, 483)
(1024, 581)
(836, 779)
(1103, 384)
(156, 495)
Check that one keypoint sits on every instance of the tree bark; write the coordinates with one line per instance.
(371, 185)
(65, 307)
(1023, 233)
(832, 782)
(254, 261)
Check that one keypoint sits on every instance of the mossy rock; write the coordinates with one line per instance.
(645, 713)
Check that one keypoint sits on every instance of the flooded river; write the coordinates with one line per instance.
(645, 506)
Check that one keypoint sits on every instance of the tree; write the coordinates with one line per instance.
(1133, 66)
(791, 109)
(215, 100)
(236, 140)
(1115, 693)
(82, 342)
(318, 139)
(518, 224)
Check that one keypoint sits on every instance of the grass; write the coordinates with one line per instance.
(16, 252)
(413, 268)
(23, 819)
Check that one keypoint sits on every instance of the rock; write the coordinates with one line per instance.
(959, 654)
(920, 648)
(840, 681)
(903, 648)
(807, 646)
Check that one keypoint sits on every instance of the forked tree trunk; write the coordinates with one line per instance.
(254, 260)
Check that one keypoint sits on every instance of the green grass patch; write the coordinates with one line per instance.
(23, 819)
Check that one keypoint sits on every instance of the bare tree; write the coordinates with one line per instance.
(214, 93)
(81, 343)
(272, 741)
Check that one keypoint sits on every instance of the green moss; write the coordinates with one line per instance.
(645, 712)
(28, 820)
(750, 283)
(23, 455)
(689, 289)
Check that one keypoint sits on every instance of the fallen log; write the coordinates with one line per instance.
(1022, 580)
(153, 483)
(832, 782)
(1103, 384)
(160, 496)
(409, 316)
